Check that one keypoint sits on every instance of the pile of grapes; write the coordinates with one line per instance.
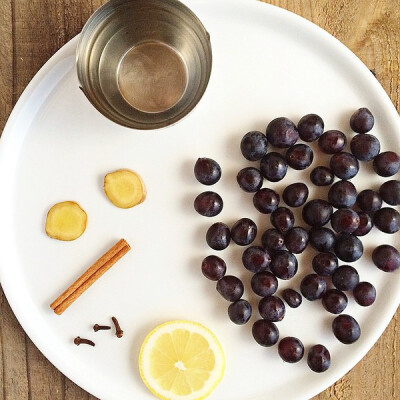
(354, 217)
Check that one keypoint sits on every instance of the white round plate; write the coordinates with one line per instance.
(56, 146)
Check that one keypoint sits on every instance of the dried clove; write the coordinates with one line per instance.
(78, 340)
(118, 331)
(98, 327)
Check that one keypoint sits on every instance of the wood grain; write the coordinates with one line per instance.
(31, 31)
(6, 61)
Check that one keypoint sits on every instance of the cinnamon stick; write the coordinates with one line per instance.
(102, 265)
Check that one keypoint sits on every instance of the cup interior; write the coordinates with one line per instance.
(144, 63)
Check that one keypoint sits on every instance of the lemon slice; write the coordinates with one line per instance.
(181, 360)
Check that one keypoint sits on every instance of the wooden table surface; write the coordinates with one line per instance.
(32, 30)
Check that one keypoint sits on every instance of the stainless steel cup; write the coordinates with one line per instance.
(144, 64)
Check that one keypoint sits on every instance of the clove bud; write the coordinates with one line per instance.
(98, 327)
(118, 331)
(78, 340)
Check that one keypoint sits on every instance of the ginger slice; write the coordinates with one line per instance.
(66, 221)
(124, 188)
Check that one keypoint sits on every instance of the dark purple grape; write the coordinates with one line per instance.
(310, 127)
(348, 247)
(313, 287)
(273, 167)
(266, 200)
(239, 312)
(345, 220)
(362, 120)
(256, 259)
(284, 265)
(364, 294)
(282, 133)
(296, 239)
(218, 236)
(282, 219)
(249, 179)
(208, 204)
(344, 165)
(342, 194)
(272, 240)
(322, 176)
(264, 284)
(334, 301)
(300, 156)
(272, 308)
(325, 264)
(365, 225)
(387, 220)
(213, 268)
(365, 147)
(265, 333)
(230, 288)
(291, 349)
(322, 239)
(345, 278)
(317, 212)
(244, 231)
(318, 358)
(346, 329)
(207, 171)
(254, 145)
(386, 164)
(332, 142)
(386, 258)
(295, 195)
(369, 201)
(292, 298)
(390, 192)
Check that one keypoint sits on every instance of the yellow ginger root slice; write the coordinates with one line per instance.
(66, 221)
(124, 188)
